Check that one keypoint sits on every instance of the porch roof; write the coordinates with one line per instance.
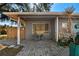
(25, 15)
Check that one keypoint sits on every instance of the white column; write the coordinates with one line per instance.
(56, 29)
(18, 31)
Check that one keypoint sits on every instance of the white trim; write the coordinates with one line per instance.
(18, 31)
(57, 29)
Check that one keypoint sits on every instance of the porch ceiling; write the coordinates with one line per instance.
(30, 15)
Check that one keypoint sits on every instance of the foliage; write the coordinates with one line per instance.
(64, 41)
(3, 32)
(26, 7)
(77, 39)
(69, 10)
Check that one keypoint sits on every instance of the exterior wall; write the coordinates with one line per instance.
(65, 21)
(12, 33)
(29, 27)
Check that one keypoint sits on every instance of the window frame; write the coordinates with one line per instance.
(46, 32)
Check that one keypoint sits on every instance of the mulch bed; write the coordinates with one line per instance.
(12, 51)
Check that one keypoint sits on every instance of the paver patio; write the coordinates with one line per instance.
(39, 48)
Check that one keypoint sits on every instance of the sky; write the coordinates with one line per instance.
(60, 7)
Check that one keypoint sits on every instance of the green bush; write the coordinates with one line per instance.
(3, 32)
(63, 41)
(77, 39)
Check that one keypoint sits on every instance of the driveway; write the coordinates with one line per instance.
(42, 48)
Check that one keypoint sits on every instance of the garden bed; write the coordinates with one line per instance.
(10, 50)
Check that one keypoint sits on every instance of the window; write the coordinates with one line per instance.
(64, 25)
(40, 28)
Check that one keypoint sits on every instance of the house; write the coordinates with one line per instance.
(50, 24)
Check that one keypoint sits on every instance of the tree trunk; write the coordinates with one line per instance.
(69, 25)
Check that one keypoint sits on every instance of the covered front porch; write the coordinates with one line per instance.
(49, 26)
(40, 23)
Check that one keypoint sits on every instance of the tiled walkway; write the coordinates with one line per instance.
(39, 48)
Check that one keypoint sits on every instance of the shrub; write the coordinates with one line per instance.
(77, 39)
(64, 41)
(3, 32)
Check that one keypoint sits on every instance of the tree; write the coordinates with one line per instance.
(26, 7)
(1, 6)
(46, 6)
(68, 12)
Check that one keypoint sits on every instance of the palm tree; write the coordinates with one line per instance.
(68, 12)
